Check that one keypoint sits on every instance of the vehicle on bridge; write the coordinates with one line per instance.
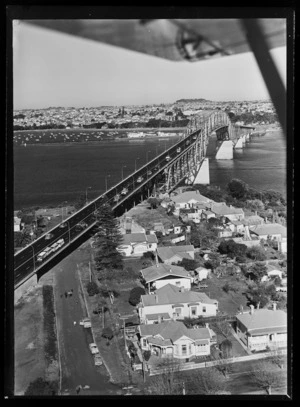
(41, 256)
(140, 179)
(81, 225)
(124, 191)
(178, 150)
(168, 158)
(149, 172)
(116, 198)
(48, 236)
(63, 225)
(61, 242)
(55, 246)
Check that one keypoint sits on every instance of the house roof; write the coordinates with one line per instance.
(138, 238)
(154, 317)
(222, 209)
(188, 196)
(173, 330)
(170, 294)
(253, 220)
(272, 268)
(162, 270)
(270, 229)
(263, 319)
(167, 252)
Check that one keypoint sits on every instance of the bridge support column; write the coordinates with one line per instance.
(202, 176)
(225, 151)
(239, 143)
(20, 291)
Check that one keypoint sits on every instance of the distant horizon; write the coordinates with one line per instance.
(144, 104)
(56, 69)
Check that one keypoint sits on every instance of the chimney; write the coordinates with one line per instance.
(258, 304)
(251, 309)
(159, 319)
(156, 299)
(274, 306)
(156, 260)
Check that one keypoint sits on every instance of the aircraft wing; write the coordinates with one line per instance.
(175, 40)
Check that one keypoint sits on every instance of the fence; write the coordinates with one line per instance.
(194, 365)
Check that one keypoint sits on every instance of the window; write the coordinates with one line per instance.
(183, 348)
(178, 311)
(144, 340)
(178, 283)
(204, 309)
(194, 311)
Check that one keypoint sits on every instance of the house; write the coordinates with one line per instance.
(188, 199)
(159, 227)
(253, 220)
(262, 328)
(163, 274)
(136, 244)
(177, 303)
(272, 230)
(236, 226)
(221, 210)
(201, 273)
(175, 254)
(205, 215)
(271, 271)
(174, 339)
(17, 224)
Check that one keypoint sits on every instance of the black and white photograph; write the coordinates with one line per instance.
(151, 182)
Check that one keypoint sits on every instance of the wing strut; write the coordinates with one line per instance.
(267, 67)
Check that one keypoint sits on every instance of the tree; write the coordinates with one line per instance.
(92, 288)
(41, 387)
(256, 253)
(188, 264)
(147, 355)
(256, 294)
(107, 239)
(135, 295)
(168, 382)
(257, 271)
(232, 249)
(226, 348)
(153, 202)
(108, 334)
(204, 381)
(264, 376)
(213, 261)
(255, 205)
(237, 188)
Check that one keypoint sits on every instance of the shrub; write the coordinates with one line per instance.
(135, 295)
(226, 287)
(41, 387)
(148, 255)
(92, 288)
(108, 334)
(147, 354)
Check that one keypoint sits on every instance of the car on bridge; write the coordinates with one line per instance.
(81, 225)
(61, 242)
(55, 246)
(178, 150)
(41, 256)
(116, 198)
(63, 225)
(149, 172)
(168, 158)
(124, 191)
(140, 179)
(48, 236)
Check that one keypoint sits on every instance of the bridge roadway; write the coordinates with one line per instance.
(25, 261)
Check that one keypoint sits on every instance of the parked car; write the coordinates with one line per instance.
(93, 348)
(86, 323)
(98, 360)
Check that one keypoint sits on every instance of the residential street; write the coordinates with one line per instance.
(77, 362)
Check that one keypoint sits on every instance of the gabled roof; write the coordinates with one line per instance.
(173, 330)
(154, 273)
(167, 252)
(223, 210)
(270, 229)
(170, 294)
(253, 220)
(264, 319)
(138, 238)
(188, 196)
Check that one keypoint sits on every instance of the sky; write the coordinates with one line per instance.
(56, 69)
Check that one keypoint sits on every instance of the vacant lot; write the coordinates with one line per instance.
(146, 217)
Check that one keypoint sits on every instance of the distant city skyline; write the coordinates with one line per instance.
(52, 69)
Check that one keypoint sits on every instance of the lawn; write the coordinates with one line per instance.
(228, 302)
(146, 217)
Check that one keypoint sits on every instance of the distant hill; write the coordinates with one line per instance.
(192, 100)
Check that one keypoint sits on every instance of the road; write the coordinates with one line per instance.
(76, 360)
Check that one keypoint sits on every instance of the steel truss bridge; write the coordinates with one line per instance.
(162, 174)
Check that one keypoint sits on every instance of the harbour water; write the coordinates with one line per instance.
(48, 175)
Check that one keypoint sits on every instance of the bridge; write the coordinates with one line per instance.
(183, 161)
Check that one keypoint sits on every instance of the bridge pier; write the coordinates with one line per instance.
(202, 176)
(225, 151)
(239, 143)
(31, 282)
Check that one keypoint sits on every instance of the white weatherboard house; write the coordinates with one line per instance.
(262, 328)
(274, 231)
(175, 254)
(187, 200)
(201, 273)
(173, 339)
(272, 271)
(221, 210)
(163, 274)
(174, 303)
(136, 244)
